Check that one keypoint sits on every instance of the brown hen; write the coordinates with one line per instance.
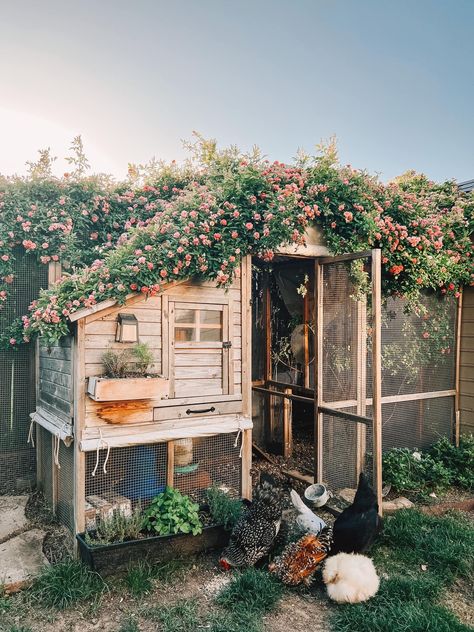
(300, 559)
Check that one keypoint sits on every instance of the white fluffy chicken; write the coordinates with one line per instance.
(350, 578)
(306, 519)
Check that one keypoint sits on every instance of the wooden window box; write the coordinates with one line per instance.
(104, 389)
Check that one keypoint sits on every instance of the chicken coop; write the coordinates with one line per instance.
(300, 358)
(107, 444)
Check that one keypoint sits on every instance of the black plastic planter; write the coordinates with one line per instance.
(112, 558)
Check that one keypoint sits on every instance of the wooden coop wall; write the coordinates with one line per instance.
(123, 452)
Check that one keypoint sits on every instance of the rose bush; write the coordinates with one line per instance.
(172, 222)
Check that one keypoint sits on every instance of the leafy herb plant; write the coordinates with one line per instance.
(118, 528)
(223, 509)
(171, 512)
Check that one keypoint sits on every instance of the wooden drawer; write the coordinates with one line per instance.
(194, 411)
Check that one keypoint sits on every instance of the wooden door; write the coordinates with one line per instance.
(200, 352)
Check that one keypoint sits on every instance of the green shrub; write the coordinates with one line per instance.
(115, 362)
(414, 471)
(143, 358)
(251, 592)
(223, 509)
(459, 461)
(118, 528)
(171, 512)
(66, 583)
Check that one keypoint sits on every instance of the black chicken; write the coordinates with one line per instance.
(355, 529)
(256, 530)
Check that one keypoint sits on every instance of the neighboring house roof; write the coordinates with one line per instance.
(466, 186)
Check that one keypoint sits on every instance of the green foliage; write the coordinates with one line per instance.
(171, 512)
(386, 613)
(458, 460)
(143, 358)
(414, 471)
(444, 543)
(65, 584)
(180, 617)
(240, 621)
(251, 591)
(170, 222)
(223, 509)
(434, 470)
(407, 599)
(115, 362)
(139, 578)
(129, 625)
(132, 361)
(118, 528)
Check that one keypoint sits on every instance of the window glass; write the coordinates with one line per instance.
(185, 316)
(185, 334)
(211, 335)
(210, 317)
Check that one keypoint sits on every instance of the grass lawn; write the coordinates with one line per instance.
(420, 558)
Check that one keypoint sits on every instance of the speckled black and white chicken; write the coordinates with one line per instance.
(256, 530)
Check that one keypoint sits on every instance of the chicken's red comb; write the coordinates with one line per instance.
(224, 564)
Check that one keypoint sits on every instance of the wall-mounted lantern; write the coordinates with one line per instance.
(127, 328)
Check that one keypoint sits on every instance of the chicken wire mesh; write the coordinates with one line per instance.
(65, 476)
(418, 350)
(44, 443)
(17, 381)
(130, 475)
(202, 462)
(417, 423)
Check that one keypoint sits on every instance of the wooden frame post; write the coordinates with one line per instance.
(287, 425)
(78, 359)
(377, 372)
(457, 397)
(318, 373)
(170, 464)
(361, 382)
(246, 306)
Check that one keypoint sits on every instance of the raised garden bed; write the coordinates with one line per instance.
(105, 389)
(111, 558)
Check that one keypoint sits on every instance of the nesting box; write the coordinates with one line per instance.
(106, 444)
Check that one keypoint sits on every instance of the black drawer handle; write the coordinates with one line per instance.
(201, 410)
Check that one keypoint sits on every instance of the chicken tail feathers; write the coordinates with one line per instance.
(298, 502)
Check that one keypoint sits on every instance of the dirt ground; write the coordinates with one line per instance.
(298, 611)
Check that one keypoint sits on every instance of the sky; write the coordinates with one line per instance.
(392, 79)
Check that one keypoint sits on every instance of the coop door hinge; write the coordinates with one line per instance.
(227, 345)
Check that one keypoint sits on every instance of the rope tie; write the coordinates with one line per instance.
(101, 443)
(236, 442)
(31, 438)
(57, 441)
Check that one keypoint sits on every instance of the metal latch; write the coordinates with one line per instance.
(227, 344)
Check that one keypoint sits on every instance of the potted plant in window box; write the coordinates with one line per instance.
(172, 526)
(126, 376)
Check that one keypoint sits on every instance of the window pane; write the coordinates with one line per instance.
(185, 316)
(211, 317)
(184, 334)
(211, 335)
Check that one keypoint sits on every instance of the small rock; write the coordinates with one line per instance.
(22, 559)
(390, 506)
(12, 515)
(347, 494)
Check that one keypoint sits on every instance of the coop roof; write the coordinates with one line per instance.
(112, 302)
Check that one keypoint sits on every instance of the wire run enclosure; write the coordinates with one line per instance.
(340, 368)
(101, 454)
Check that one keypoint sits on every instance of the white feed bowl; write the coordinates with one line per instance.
(317, 495)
